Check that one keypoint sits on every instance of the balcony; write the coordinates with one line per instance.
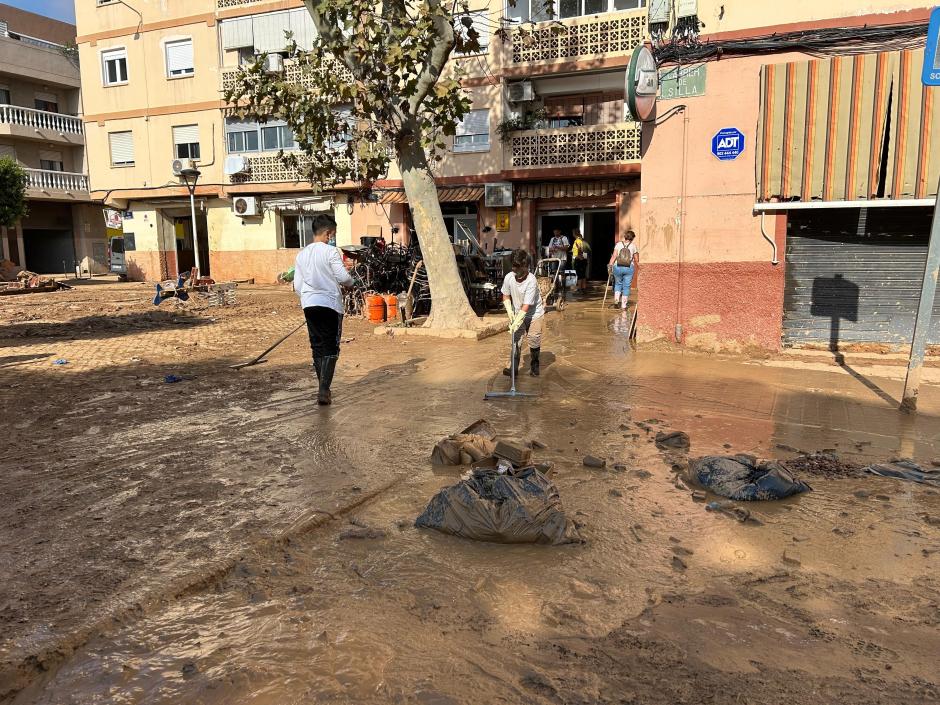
(268, 168)
(591, 36)
(569, 147)
(29, 123)
(293, 73)
(226, 4)
(57, 185)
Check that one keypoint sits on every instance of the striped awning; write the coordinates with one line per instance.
(444, 195)
(571, 189)
(848, 128)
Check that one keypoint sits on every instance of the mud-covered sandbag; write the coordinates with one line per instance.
(906, 470)
(462, 449)
(742, 478)
(521, 506)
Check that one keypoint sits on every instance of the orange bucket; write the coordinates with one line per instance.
(391, 303)
(375, 308)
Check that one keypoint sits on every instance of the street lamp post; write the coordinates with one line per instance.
(190, 177)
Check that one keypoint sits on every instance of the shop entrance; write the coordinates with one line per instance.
(183, 235)
(598, 225)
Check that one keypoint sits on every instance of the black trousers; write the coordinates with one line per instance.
(325, 328)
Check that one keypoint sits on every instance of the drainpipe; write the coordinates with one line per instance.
(772, 242)
(681, 223)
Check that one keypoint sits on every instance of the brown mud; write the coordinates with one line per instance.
(222, 540)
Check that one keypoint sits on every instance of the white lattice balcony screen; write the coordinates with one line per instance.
(615, 33)
(576, 146)
(268, 168)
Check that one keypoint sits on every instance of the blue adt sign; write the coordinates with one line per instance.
(930, 76)
(728, 144)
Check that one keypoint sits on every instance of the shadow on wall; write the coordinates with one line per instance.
(837, 298)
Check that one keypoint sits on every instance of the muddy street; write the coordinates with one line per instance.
(222, 540)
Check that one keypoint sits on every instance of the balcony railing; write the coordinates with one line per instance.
(570, 39)
(45, 180)
(41, 119)
(293, 73)
(592, 145)
(268, 167)
(225, 4)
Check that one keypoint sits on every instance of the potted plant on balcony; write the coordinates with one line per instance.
(528, 120)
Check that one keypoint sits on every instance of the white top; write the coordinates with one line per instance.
(318, 274)
(525, 293)
(632, 249)
(557, 244)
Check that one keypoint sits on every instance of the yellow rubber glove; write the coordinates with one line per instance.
(507, 304)
(517, 321)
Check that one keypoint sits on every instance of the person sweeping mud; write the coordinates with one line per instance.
(526, 313)
(319, 275)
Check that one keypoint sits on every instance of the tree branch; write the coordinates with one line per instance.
(437, 59)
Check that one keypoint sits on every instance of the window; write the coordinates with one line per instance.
(297, 231)
(271, 136)
(8, 151)
(179, 58)
(277, 137)
(243, 141)
(50, 160)
(473, 132)
(4, 95)
(480, 26)
(46, 101)
(122, 148)
(186, 142)
(114, 66)
(536, 10)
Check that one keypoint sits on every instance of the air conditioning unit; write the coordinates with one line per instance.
(178, 165)
(237, 164)
(687, 8)
(520, 92)
(498, 195)
(273, 63)
(245, 206)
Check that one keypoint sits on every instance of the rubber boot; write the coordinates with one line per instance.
(507, 371)
(327, 368)
(534, 365)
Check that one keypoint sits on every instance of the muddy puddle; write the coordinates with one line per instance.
(828, 597)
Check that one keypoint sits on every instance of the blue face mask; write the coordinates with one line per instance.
(332, 241)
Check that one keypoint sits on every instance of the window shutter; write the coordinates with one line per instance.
(8, 150)
(476, 122)
(186, 134)
(48, 97)
(237, 34)
(49, 155)
(122, 147)
(269, 32)
(301, 24)
(179, 57)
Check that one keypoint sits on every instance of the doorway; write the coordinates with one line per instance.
(183, 235)
(49, 251)
(598, 225)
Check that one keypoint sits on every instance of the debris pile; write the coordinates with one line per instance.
(27, 282)
(906, 470)
(743, 478)
(502, 499)
(825, 464)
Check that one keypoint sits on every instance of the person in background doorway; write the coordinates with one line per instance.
(558, 247)
(581, 252)
(523, 303)
(623, 263)
(319, 275)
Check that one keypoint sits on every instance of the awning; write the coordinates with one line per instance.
(571, 189)
(848, 128)
(444, 195)
(301, 204)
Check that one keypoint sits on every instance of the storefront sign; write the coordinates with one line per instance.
(728, 144)
(502, 220)
(930, 75)
(682, 82)
(113, 219)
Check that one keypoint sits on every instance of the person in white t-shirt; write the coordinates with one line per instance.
(319, 274)
(523, 303)
(623, 263)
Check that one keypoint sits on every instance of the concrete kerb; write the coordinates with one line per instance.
(485, 331)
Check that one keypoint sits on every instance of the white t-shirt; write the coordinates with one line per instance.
(318, 273)
(523, 293)
(558, 244)
(631, 248)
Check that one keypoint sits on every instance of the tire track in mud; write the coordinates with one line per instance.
(34, 666)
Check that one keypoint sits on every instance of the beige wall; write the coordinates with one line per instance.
(90, 18)
(736, 15)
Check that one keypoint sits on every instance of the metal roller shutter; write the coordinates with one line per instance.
(237, 33)
(855, 275)
(122, 148)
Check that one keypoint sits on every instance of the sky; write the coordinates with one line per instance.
(59, 9)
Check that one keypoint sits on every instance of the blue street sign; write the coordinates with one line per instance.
(728, 144)
(930, 75)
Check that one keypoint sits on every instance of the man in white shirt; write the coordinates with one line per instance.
(318, 275)
(523, 303)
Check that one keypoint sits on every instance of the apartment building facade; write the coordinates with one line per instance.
(42, 129)
(548, 144)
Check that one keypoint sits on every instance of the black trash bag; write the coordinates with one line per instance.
(521, 506)
(742, 478)
(906, 470)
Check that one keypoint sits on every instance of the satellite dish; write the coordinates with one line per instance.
(642, 83)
